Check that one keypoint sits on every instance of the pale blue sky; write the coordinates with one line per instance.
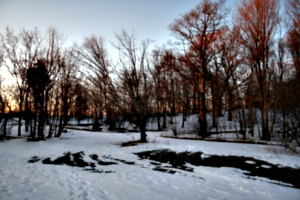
(79, 18)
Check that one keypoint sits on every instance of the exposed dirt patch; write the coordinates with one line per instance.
(252, 167)
(75, 160)
(172, 162)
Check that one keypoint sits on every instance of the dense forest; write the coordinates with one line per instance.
(247, 67)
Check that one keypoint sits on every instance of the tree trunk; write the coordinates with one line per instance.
(194, 110)
(60, 128)
(220, 105)
(41, 126)
(2, 115)
(183, 119)
(214, 102)
(20, 114)
(33, 127)
(202, 110)
(164, 119)
(158, 121)
(284, 123)
(265, 124)
(158, 114)
(27, 112)
(142, 127)
(50, 133)
(4, 127)
(230, 104)
(264, 111)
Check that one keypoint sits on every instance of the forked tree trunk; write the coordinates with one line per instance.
(50, 133)
(60, 127)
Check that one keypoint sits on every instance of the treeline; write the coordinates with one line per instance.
(251, 62)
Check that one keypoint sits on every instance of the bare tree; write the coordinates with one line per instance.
(257, 21)
(80, 107)
(37, 80)
(230, 64)
(54, 55)
(20, 52)
(135, 88)
(67, 82)
(197, 31)
(2, 102)
(158, 76)
(293, 35)
(94, 56)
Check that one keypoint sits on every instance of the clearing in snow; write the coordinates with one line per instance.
(93, 165)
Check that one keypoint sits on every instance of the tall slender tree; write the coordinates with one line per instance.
(67, 81)
(293, 35)
(94, 56)
(198, 30)
(257, 21)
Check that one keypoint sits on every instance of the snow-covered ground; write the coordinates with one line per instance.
(20, 179)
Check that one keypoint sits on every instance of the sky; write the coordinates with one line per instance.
(76, 19)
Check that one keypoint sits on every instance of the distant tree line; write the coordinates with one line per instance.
(250, 62)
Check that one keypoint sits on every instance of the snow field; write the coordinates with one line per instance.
(22, 180)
